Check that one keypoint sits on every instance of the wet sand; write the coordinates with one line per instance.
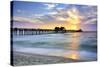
(20, 58)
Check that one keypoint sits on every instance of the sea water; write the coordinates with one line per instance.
(77, 45)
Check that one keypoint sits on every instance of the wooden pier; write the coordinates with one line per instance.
(26, 31)
(22, 31)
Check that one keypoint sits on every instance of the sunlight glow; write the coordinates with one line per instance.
(73, 19)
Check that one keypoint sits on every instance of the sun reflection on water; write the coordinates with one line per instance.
(73, 47)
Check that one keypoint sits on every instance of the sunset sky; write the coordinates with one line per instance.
(49, 15)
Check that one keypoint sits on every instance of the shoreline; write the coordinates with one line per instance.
(21, 58)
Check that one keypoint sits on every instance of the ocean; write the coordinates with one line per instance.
(76, 45)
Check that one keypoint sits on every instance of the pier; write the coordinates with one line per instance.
(23, 31)
(26, 31)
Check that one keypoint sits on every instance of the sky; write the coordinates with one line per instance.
(42, 15)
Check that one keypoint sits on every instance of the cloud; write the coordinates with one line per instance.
(37, 15)
(58, 14)
(74, 16)
(23, 19)
(90, 15)
(91, 21)
(20, 11)
(62, 16)
(60, 19)
(50, 5)
(53, 13)
(59, 8)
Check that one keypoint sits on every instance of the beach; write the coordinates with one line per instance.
(21, 58)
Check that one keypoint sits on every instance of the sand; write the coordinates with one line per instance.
(20, 58)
